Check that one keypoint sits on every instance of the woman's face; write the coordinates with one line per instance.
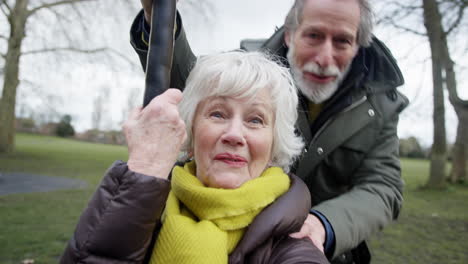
(233, 139)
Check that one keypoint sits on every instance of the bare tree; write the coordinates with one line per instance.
(432, 20)
(459, 171)
(100, 107)
(440, 19)
(133, 100)
(23, 17)
(453, 11)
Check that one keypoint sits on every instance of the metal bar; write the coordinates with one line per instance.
(160, 49)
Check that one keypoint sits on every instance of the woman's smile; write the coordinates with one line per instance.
(232, 159)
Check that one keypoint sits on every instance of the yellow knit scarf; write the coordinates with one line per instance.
(204, 225)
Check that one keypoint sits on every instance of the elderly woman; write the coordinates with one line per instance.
(230, 199)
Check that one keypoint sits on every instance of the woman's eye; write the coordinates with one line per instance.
(256, 120)
(216, 114)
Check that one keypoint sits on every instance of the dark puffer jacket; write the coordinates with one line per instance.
(122, 221)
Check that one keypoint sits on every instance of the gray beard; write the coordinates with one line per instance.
(315, 92)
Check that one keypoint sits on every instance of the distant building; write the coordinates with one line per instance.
(251, 44)
(48, 129)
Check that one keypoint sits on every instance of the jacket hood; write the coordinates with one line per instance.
(383, 72)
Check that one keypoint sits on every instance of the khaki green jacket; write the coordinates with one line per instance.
(350, 162)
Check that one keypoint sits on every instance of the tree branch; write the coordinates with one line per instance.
(4, 2)
(398, 13)
(3, 37)
(67, 49)
(457, 21)
(407, 7)
(50, 5)
(458, 2)
(410, 30)
(60, 16)
(5, 12)
(85, 51)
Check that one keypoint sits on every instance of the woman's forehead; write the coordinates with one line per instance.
(260, 98)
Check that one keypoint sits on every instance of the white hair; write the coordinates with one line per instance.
(315, 92)
(366, 23)
(242, 74)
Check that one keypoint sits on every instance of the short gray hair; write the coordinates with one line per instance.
(366, 23)
(242, 74)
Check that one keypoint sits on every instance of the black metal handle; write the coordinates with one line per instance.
(160, 49)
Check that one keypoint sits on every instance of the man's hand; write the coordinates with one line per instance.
(147, 7)
(312, 229)
(146, 4)
(155, 135)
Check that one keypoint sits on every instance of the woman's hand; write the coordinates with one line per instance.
(155, 134)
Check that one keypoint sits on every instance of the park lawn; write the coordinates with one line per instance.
(38, 225)
(432, 228)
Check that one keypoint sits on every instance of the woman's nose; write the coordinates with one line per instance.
(234, 134)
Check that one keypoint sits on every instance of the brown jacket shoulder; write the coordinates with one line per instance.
(122, 221)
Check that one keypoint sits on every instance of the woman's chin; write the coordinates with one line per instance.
(226, 182)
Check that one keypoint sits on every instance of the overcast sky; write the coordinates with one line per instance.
(73, 88)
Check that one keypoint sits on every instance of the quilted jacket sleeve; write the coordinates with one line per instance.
(183, 59)
(118, 224)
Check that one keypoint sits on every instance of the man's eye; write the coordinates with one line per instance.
(313, 35)
(343, 41)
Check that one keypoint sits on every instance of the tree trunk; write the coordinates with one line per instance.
(459, 171)
(17, 19)
(460, 149)
(433, 24)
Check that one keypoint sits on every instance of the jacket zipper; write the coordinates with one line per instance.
(349, 108)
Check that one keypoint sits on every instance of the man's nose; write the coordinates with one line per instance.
(234, 133)
(324, 57)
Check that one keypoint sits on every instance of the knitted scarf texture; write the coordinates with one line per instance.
(203, 224)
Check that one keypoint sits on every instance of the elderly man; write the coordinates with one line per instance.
(348, 117)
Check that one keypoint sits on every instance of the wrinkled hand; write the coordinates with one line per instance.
(155, 135)
(147, 4)
(312, 229)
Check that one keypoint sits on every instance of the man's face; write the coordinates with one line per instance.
(323, 46)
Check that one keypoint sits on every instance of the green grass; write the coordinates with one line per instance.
(38, 225)
(432, 228)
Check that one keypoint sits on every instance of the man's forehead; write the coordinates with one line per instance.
(332, 13)
(348, 7)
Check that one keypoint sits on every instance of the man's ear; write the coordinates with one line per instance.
(287, 37)
(356, 50)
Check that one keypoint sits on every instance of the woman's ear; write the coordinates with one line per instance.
(270, 164)
(190, 154)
